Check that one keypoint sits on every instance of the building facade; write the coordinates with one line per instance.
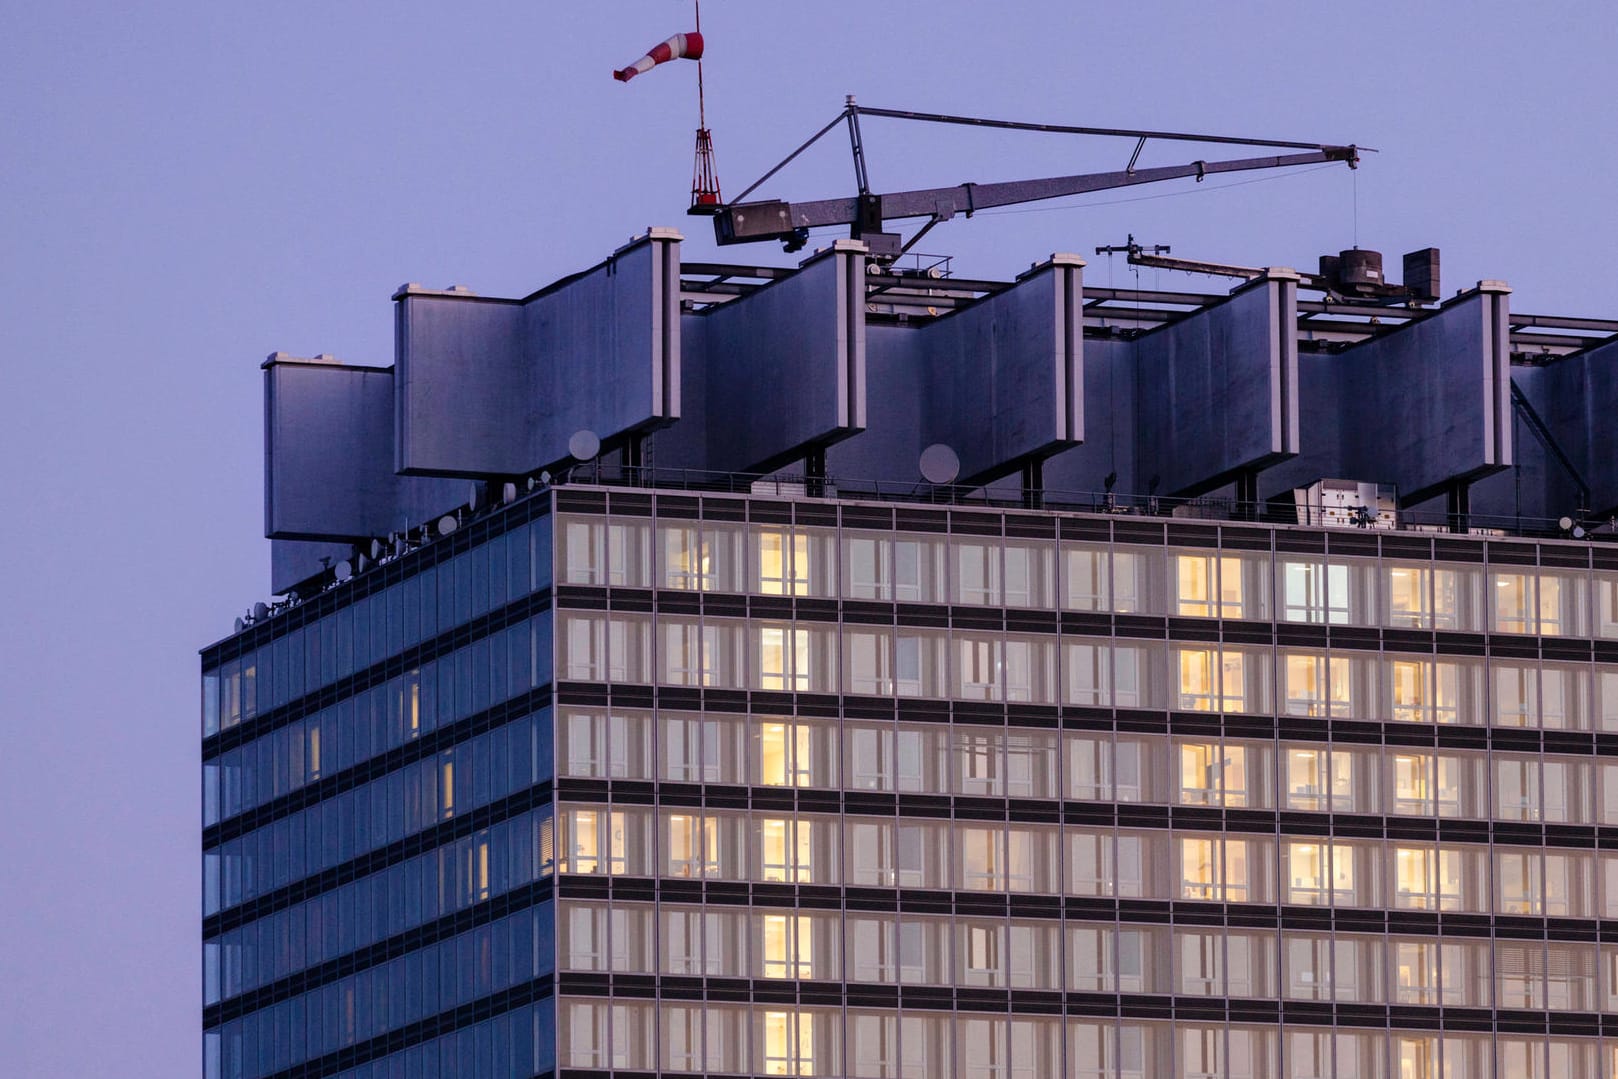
(630, 772)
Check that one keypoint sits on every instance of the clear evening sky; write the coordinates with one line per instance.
(186, 187)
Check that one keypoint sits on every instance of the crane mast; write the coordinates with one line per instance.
(866, 214)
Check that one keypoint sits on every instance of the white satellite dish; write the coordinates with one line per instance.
(508, 493)
(261, 611)
(584, 445)
(378, 549)
(240, 624)
(939, 464)
(447, 524)
(474, 497)
(344, 570)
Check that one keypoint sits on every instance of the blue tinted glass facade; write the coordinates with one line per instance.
(377, 811)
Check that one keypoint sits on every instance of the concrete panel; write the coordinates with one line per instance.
(1218, 391)
(1004, 378)
(785, 366)
(497, 387)
(1421, 408)
(1109, 446)
(328, 455)
(886, 455)
(1576, 397)
(1429, 405)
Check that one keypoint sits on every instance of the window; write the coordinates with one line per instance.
(786, 850)
(1429, 691)
(1430, 597)
(1317, 685)
(1415, 972)
(787, 945)
(1086, 577)
(983, 858)
(691, 850)
(788, 1043)
(784, 755)
(1544, 604)
(1214, 869)
(1320, 780)
(695, 557)
(1213, 774)
(782, 562)
(977, 572)
(595, 841)
(1426, 879)
(1208, 586)
(1314, 591)
(1319, 873)
(1222, 680)
(1516, 788)
(604, 745)
(602, 552)
(783, 658)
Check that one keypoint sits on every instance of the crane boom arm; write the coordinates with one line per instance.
(753, 221)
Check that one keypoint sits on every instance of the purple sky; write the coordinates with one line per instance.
(187, 187)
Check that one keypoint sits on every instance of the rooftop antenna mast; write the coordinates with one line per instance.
(705, 173)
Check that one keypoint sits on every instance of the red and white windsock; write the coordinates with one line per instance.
(680, 46)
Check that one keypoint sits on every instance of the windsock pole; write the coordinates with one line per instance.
(704, 173)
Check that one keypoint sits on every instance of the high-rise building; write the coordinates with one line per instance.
(858, 671)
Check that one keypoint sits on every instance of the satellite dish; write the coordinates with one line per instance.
(378, 549)
(474, 497)
(240, 625)
(1578, 532)
(508, 493)
(447, 524)
(261, 611)
(584, 445)
(544, 478)
(1565, 524)
(939, 464)
(344, 570)
(361, 563)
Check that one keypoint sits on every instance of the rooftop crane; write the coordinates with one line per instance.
(867, 213)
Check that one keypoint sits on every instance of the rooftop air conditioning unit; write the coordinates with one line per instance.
(1346, 504)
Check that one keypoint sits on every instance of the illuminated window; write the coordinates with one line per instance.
(786, 850)
(1213, 869)
(783, 562)
(783, 655)
(784, 754)
(1086, 578)
(1424, 691)
(1319, 873)
(788, 946)
(1416, 1057)
(1208, 586)
(594, 841)
(1213, 774)
(789, 1043)
(1426, 879)
(1317, 685)
(1416, 786)
(1319, 780)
